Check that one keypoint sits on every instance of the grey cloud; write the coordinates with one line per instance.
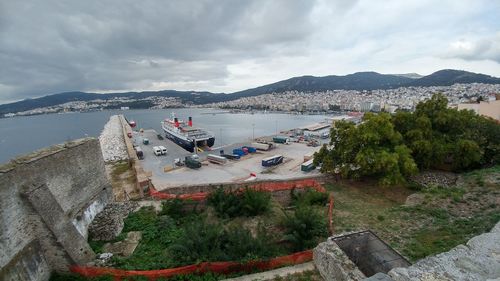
(52, 46)
(224, 45)
(481, 49)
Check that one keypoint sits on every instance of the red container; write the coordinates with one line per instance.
(245, 150)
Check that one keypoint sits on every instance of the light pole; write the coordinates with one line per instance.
(220, 136)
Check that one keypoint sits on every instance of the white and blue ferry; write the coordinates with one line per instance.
(185, 135)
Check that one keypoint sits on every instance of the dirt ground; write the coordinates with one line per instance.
(122, 180)
(441, 219)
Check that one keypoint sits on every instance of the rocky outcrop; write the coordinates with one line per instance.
(435, 178)
(108, 224)
(112, 142)
(333, 264)
(126, 247)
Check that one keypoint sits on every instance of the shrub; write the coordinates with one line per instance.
(176, 208)
(304, 227)
(309, 197)
(203, 241)
(248, 202)
(200, 241)
(255, 202)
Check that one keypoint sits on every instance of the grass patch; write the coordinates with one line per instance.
(447, 217)
(448, 234)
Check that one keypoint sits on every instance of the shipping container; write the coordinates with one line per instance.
(238, 151)
(262, 146)
(250, 149)
(307, 166)
(272, 161)
(216, 159)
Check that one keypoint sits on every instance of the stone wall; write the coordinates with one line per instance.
(48, 199)
(281, 196)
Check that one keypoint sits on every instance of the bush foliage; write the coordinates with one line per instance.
(392, 147)
(309, 197)
(204, 241)
(304, 227)
(248, 202)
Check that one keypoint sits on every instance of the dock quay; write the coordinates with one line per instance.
(164, 174)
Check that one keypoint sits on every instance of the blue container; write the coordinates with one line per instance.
(238, 151)
(252, 149)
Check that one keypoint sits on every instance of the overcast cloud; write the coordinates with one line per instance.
(54, 46)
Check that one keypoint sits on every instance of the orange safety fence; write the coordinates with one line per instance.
(264, 186)
(218, 267)
(215, 267)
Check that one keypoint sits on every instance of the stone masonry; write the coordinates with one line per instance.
(48, 199)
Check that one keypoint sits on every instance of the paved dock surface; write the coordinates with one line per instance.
(209, 173)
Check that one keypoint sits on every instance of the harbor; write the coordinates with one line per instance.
(282, 156)
(165, 174)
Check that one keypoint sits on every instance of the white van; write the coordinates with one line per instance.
(163, 150)
(157, 150)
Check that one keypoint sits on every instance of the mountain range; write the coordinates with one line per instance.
(356, 81)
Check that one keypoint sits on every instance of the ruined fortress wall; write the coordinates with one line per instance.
(48, 199)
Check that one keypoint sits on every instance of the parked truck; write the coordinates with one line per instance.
(281, 139)
(192, 162)
(262, 146)
(272, 161)
(216, 159)
(307, 166)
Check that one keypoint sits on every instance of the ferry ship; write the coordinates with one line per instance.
(185, 135)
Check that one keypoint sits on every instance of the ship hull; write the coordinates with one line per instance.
(188, 144)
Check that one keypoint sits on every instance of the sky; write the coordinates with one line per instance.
(54, 46)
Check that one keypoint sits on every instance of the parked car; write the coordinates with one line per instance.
(163, 150)
(157, 150)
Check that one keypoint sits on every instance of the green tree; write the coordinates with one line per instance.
(374, 148)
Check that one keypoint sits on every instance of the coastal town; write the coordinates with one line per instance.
(403, 98)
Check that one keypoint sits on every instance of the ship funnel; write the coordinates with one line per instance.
(176, 122)
(190, 122)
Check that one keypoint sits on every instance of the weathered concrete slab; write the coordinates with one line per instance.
(333, 264)
(272, 274)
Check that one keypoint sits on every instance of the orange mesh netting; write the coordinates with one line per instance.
(218, 267)
(264, 186)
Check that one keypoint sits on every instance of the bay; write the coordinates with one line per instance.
(21, 135)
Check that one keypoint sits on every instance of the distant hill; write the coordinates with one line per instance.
(51, 100)
(449, 77)
(410, 75)
(356, 81)
(369, 81)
